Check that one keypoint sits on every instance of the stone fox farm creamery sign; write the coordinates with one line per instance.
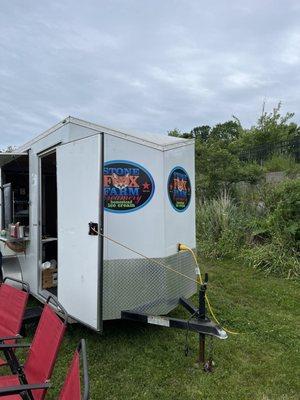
(127, 186)
(179, 189)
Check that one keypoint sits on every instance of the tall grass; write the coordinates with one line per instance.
(273, 259)
(280, 162)
(268, 240)
(219, 226)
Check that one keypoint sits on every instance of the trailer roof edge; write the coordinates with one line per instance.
(142, 138)
(151, 140)
(27, 145)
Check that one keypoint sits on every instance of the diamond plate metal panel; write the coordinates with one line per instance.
(140, 284)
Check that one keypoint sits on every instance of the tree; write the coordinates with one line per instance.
(175, 132)
(9, 149)
(226, 132)
(201, 132)
(270, 128)
(218, 149)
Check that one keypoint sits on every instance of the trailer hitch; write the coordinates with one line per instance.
(199, 322)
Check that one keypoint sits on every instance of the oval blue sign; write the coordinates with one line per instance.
(127, 186)
(179, 189)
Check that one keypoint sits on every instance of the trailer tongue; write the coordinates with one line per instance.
(198, 322)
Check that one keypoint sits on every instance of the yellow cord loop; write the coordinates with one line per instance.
(183, 247)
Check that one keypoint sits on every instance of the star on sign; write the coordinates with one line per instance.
(146, 186)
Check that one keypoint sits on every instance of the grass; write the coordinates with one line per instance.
(281, 162)
(132, 361)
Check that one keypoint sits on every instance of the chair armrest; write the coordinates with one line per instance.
(10, 390)
(17, 337)
(14, 346)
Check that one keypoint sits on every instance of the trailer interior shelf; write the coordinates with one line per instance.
(49, 239)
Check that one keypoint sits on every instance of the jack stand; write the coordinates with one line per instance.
(207, 365)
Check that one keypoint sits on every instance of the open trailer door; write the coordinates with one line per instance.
(79, 171)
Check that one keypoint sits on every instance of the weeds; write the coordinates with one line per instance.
(263, 233)
(220, 224)
(272, 259)
(279, 162)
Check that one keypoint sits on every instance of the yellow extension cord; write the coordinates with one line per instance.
(182, 247)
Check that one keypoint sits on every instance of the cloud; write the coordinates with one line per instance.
(243, 80)
(291, 47)
(144, 66)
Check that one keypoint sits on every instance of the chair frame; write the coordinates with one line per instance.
(81, 348)
(25, 285)
(25, 389)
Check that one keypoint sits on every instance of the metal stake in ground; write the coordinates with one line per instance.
(202, 316)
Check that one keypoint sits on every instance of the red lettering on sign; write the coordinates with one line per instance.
(133, 182)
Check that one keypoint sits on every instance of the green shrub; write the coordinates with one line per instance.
(251, 172)
(282, 163)
(219, 169)
(264, 233)
(283, 203)
(279, 230)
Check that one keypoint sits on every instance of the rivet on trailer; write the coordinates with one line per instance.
(92, 215)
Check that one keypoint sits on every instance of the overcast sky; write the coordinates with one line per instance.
(145, 65)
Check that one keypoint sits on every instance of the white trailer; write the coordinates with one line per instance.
(135, 189)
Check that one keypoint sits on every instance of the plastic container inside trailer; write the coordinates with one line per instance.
(137, 190)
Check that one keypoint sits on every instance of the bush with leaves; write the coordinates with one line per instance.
(284, 215)
(279, 228)
(282, 162)
(264, 233)
(251, 172)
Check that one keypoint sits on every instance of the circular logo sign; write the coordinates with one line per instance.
(179, 189)
(127, 186)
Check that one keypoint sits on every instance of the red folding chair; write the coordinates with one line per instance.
(31, 381)
(71, 389)
(13, 303)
